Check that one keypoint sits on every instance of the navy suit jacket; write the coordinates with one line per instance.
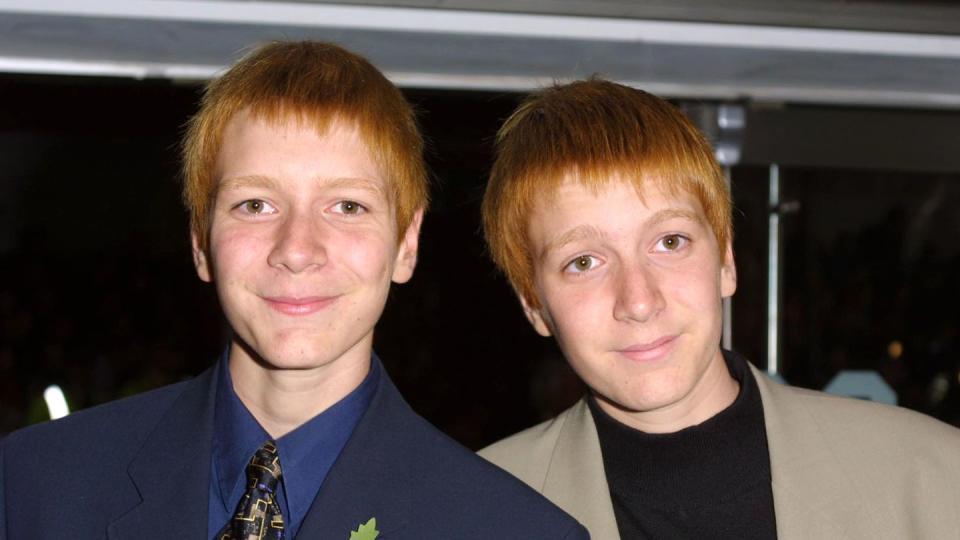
(140, 468)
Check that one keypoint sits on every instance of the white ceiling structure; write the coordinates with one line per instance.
(809, 51)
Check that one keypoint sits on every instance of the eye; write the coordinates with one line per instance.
(349, 208)
(581, 264)
(672, 242)
(256, 207)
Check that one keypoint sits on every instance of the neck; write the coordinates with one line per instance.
(712, 393)
(282, 400)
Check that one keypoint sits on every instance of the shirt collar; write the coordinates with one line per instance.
(306, 453)
(237, 435)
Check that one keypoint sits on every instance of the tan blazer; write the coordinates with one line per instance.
(841, 468)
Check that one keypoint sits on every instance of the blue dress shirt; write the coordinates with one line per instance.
(306, 453)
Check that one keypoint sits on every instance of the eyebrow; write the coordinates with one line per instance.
(260, 181)
(365, 184)
(674, 213)
(576, 234)
(589, 232)
(238, 182)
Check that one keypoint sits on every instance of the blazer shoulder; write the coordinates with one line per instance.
(879, 419)
(93, 435)
(868, 469)
(855, 428)
(527, 454)
(477, 496)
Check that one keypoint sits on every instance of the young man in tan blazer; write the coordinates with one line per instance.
(610, 217)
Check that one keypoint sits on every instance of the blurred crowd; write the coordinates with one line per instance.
(103, 327)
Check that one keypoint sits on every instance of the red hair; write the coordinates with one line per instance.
(594, 132)
(316, 83)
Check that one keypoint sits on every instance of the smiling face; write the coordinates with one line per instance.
(303, 243)
(631, 287)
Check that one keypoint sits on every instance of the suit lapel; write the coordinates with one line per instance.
(813, 497)
(369, 479)
(171, 471)
(575, 479)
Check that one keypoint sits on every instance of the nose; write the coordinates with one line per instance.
(638, 295)
(299, 244)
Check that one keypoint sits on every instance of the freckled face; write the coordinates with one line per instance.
(631, 288)
(303, 243)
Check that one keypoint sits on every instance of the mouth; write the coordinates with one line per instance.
(297, 306)
(646, 352)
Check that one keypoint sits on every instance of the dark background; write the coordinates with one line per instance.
(98, 293)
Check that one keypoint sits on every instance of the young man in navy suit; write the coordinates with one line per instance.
(306, 188)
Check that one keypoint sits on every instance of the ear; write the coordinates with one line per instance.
(200, 261)
(536, 317)
(728, 273)
(407, 253)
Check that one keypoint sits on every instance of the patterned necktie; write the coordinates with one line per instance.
(258, 515)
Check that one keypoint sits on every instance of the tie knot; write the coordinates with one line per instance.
(258, 515)
(263, 471)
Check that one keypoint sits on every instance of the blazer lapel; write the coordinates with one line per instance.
(171, 472)
(369, 479)
(575, 479)
(812, 495)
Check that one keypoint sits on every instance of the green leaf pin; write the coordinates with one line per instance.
(367, 531)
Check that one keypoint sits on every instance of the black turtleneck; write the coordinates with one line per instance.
(711, 480)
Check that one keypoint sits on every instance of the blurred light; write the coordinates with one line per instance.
(56, 402)
(938, 389)
(895, 349)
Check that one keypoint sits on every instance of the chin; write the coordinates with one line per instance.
(631, 403)
(300, 357)
(281, 362)
(290, 354)
(644, 397)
